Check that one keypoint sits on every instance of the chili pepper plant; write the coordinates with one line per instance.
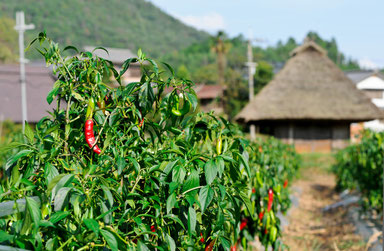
(127, 167)
(360, 167)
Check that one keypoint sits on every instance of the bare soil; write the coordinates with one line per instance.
(311, 229)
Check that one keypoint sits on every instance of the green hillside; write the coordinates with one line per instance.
(129, 24)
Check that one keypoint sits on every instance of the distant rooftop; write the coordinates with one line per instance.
(359, 75)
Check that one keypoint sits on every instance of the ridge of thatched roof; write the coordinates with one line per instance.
(310, 87)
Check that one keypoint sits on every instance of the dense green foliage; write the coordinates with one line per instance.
(128, 24)
(8, 40)
(273, 166)
(167, 177)
(360, 167)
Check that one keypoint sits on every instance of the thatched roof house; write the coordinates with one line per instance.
(310, 102)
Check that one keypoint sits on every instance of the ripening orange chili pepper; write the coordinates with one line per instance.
(210, 246)
(285, 184)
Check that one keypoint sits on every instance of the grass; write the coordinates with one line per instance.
(315, 163)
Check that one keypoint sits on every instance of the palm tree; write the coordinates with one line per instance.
(220, 46)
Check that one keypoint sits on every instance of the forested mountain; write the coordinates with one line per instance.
(129, 24)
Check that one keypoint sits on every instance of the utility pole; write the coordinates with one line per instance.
(21, 27)
(251, 72)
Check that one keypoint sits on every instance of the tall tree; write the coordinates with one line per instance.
(221, 46)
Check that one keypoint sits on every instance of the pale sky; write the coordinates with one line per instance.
(357, 25)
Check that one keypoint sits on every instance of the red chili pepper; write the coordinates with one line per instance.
(266, 231)
(202, 238)
(270, 199)
(285, 184)
(261, 215)
(253, 190)
(233, 248)
(88, 129)
(89, 137)
(243, 223)
(153, 228)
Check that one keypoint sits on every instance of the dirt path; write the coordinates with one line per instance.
(309, 228)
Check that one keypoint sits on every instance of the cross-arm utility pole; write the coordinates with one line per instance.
(21, 27)
(251, 72)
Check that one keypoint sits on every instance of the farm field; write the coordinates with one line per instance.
(311, 229)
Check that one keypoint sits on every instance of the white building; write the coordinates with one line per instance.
(372, 84)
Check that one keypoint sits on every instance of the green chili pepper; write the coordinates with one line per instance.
(90, 109)
(219, 145)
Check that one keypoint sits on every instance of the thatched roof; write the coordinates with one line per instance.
(310, 87)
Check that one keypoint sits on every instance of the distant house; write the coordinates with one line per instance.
(118, 56)
(209, 96)
(39, 82)
(372, 84)
(310, 103)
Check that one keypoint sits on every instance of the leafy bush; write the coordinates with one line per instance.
(167, 177)
(360, 167)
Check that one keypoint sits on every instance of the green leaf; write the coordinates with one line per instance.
(120, 164)
(171, 242)
(58, 216)
(146, 96)
(205, 196)
(192, 181)
(77, 96)
(100, 48)
(135, 164)
(220, 165)
(210, 171)
(34, 210)
(169, 68)
(191, 220)
(155, 67)
(248, 203)
(70, 47)
(178, 174)
(171, 202)
(142, 247)
(5, 236)
(61, 197)
(52, 94)
(225, 242)
(61, 180)
(16, 157)
(92, 225)
(10, 146)
(175, 218)
(28, 133)
(110, 239)
(45, 223)
(108, 194)
(245, 163)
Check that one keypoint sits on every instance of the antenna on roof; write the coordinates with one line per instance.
(21, 27)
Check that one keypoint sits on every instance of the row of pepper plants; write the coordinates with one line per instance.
(359, 168)
(134, 168)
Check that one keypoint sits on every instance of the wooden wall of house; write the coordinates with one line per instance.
(311, 136)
